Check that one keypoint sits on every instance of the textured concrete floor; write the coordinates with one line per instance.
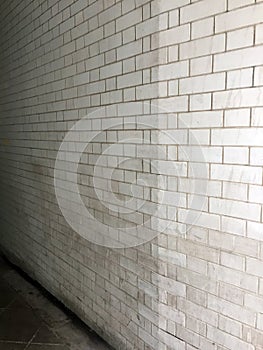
(30, 320)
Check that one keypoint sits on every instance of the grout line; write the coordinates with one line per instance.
(12, 342)
(31, 340)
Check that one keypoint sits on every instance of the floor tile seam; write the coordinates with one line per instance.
(33, 337)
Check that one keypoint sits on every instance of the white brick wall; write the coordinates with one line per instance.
(199, 285)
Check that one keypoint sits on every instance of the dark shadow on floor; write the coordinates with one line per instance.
(32, 319)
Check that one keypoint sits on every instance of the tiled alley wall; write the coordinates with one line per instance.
(199, 284)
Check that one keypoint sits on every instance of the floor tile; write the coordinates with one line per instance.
(12, 346)
(46, 336)
(4, 267)
(47, 347)
(7, 294)
(36, 317)
(18, 324)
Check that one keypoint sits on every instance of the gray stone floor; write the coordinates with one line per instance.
(30, 320)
